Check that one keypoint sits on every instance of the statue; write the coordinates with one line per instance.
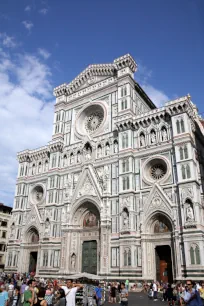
(38, 195)
(88, 153)
(47, 227)
(78, 157)
(189, 214)
(107, 149)
(125, 219)
(153, 137)
(71, 159)
(164, 135)
(46, 166)
(99, 151)
(39, 168)
(73, 262)
(142, 140)
(115, 147)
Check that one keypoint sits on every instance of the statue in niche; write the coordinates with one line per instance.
(189, 214)
(87, 152)
(107, 149)
(39, 168)
(46, 165)
(125, 217)
(164, 135)
(99, 151)
(38, 195)
(142, 140)
(73, 262)
(12, 230)
(78, 157)
(47, 227)
(71, 158)
(153, 137)
(115, 147)
(90, 220)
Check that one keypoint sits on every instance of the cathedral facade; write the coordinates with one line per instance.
(118, 191)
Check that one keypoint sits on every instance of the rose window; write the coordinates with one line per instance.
(93, 121)
(157, 171)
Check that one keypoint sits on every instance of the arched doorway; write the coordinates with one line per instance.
(87, 219)
(32, 245)
(160, 236)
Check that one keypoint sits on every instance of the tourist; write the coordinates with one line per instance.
(113, 293)
(123, 295)
(201, 292)
(98, 293)
(60, 298)
(29, 294)
(154, 288)
(127, 284)
(16, 297)
(4, 296)
(49, 295)
(70, 292)
(191, 296)
(10, 290)
(40, 300)
(22, 290)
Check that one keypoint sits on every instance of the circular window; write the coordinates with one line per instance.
(37, 194)
(156, 169)
(90, 119)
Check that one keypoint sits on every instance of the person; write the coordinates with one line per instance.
(191, 296)
(127, 284)
(169, 295)
(154, 288)
(29, 294)
(113, 293)
(10, 290)
(98, 293)
(60, 298)
(5, 294)
(22, 290)
(16, 297)
(40, 300)
(123, 295)
(49, 295)
(201, 292)
(70, 292)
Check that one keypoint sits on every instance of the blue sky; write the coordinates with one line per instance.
(46, 43)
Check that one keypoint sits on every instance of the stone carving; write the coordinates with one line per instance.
(64, 214)
(107, 150)
(115, 147)
(73, 262)
(142, 140)
(78, 157)
(125, 218)
(164, 134)
(72, 158)
(47, 227)
(87, 153)
(87, 189)
(156, 201)
(189, 214)
(153, 137)
(104, 175)
(126, 201)
(90, 220)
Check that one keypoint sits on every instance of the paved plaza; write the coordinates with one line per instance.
(140, 298)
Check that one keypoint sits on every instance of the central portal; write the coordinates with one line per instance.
(89, 257)
(164, 264)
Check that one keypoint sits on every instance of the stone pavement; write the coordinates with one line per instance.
(140, 298)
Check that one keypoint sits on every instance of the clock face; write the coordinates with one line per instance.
(93, 121)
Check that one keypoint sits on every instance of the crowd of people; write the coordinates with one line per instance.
(25, 290)
(191, 293)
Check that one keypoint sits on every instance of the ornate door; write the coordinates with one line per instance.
(89, 257)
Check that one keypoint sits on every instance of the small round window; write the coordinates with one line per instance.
(156, 169)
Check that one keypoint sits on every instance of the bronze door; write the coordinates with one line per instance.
(89, 257)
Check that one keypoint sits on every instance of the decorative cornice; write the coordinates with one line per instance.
(56, 145)
(96, 70)
(30, 155)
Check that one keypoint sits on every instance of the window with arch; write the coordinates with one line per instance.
(54, 159)
(124, 140)
(180, 126)
(57, 126)
(183, 152)
(125, 165)
(9, 259)
(185, 171)
(65, 160)
(127, 257)
(195, 254)
(124, 104)
(123, 91)
(39, 167)
(126, 182)
(21, 170)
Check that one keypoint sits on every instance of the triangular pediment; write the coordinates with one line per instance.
(158, 200)
(87, 185)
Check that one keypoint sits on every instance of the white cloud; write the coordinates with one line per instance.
(156, 95)
(27, 8)
(44, 53)
(28, 24)
(43, 11)
(7, 41)
(26, 113)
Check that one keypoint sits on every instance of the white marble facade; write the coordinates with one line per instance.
(118, 173)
